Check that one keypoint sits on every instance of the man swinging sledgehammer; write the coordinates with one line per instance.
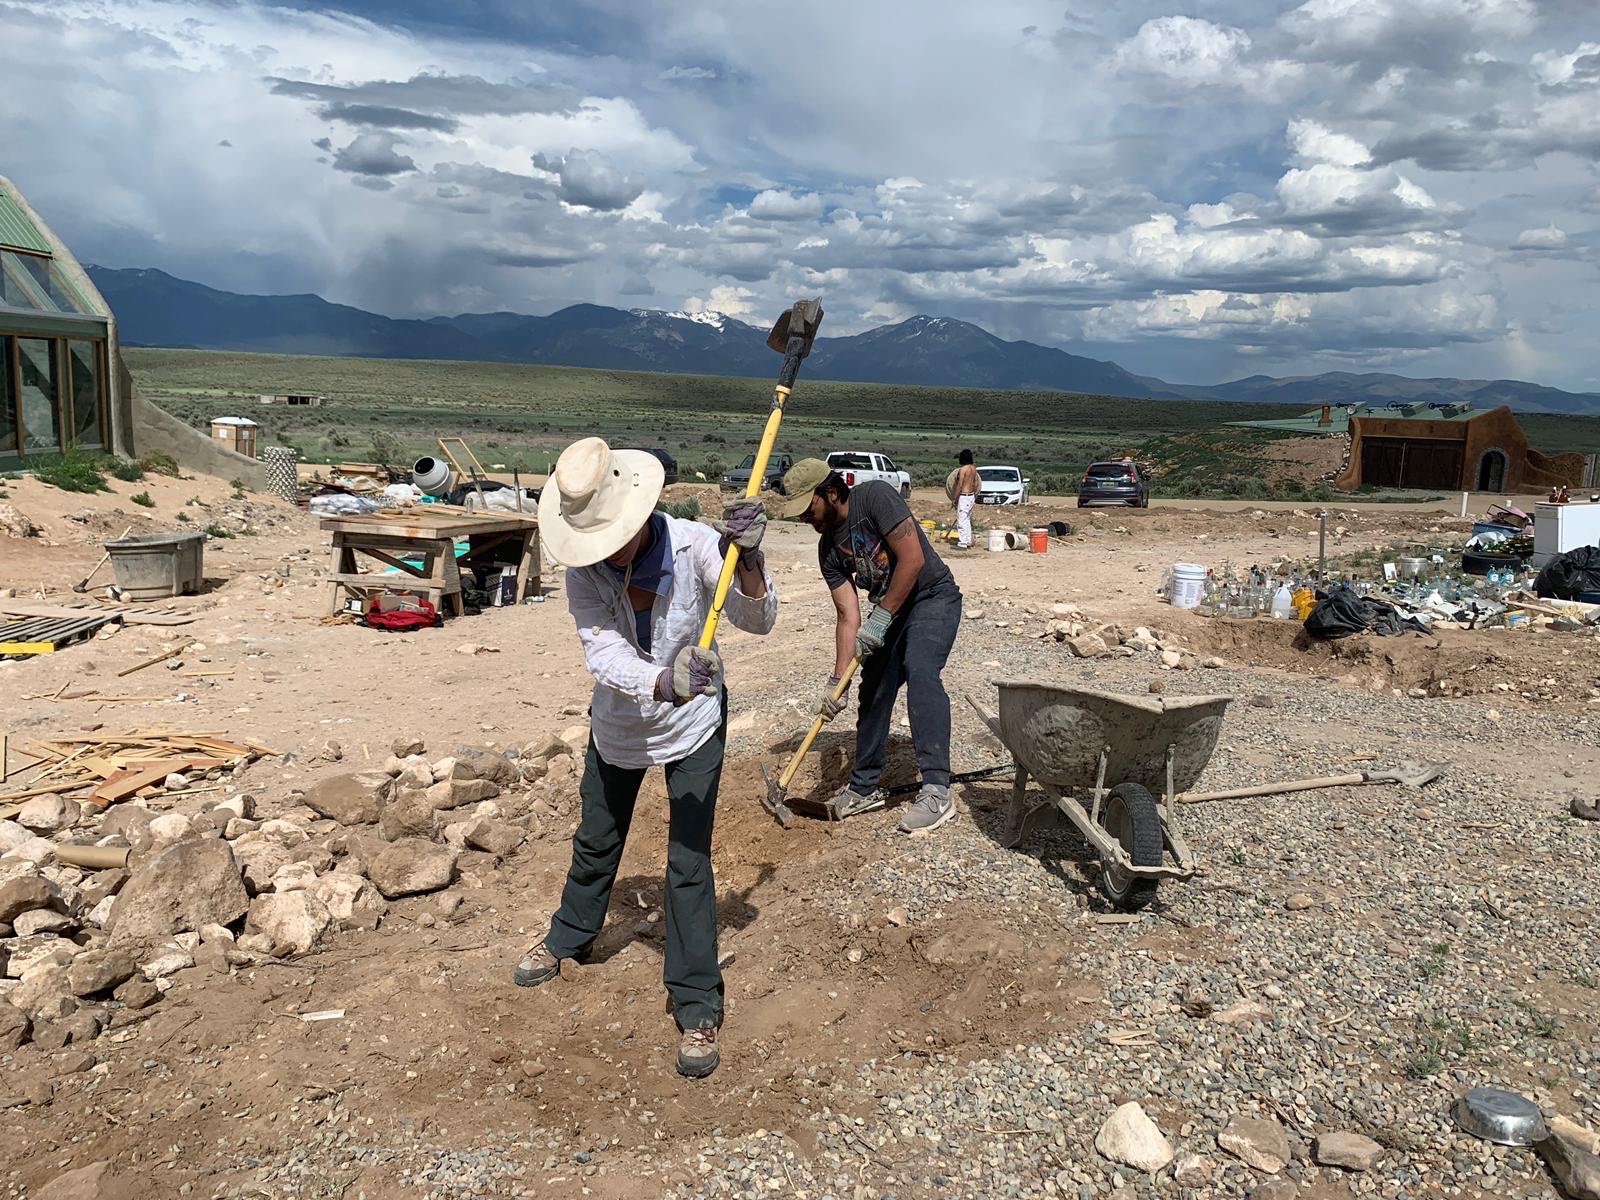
(869, 542)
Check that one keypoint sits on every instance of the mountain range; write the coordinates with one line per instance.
(157, 309)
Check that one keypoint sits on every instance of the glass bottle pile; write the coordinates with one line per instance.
(1288, 590)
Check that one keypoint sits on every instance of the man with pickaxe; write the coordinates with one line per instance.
(870, 542)
(646, 592)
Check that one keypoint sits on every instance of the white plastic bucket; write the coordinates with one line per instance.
(1188, 584)
(997, 540)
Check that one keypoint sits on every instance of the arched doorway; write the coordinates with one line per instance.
(1492, 471)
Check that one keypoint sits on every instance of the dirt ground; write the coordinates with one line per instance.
(436, 1043)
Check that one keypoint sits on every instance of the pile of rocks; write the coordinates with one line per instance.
(219, 886)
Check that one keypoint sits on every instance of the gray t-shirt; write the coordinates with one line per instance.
(859, 549)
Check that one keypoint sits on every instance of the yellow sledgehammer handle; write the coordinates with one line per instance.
(816, 728)
(758, 473)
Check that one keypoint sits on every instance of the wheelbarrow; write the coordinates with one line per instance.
(1076, 740)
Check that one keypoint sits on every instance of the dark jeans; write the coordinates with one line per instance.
(691, 974)
(914, 654)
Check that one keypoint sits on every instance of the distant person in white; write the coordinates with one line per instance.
(966, 497)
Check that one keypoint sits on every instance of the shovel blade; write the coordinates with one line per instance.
(800, 320)
(773, 800)
(1409, 773)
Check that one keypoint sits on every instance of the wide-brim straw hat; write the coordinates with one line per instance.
(595, 500)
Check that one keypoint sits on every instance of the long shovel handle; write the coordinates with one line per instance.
(816, 728)
(758, 473)
(1274, 789)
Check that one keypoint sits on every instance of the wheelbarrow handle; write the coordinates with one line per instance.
(988, 718)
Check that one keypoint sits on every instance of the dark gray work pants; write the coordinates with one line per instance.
(913, 654)
(691, 973)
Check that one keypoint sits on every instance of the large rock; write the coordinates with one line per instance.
(260, 857)
(49, 813)
(178, 890)
(351, 900)
(14, 1027)
(475, 762)
(295, 921)
(1574, 1158)
(1256, 1142)
(127, 821)
(350, 799)
(23, 894)
(453, 793)
(498, 838)
(41, 920)
(1131, 1138)
(33, 849)
(1352, 1151)
(94, 1182)
(100, 971)
(410, 814)
(12, 835)
(1088, 645)
(412, 865)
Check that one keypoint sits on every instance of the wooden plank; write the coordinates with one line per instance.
(150, 662)
(391, 583)
(125, 784)
(390, 560)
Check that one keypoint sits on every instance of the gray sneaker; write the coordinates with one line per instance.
(847, 802)
(931, 809)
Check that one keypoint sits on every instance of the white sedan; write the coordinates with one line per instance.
(1002, 485)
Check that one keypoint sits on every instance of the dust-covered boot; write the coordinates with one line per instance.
(847, 802)
(698, 1055)
(538, 966)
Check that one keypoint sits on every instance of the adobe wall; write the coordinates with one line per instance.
(156, 430)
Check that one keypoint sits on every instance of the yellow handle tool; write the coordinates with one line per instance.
(792, 336)
(778, 788)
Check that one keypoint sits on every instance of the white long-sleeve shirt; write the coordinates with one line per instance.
(631, 727)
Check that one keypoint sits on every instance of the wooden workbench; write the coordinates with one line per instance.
(430, 532)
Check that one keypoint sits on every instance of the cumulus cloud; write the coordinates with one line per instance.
(589, 179)
(372, 154)
(777, 205)
(1186, 49)
(1548, 237)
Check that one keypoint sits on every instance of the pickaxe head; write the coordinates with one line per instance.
(1409, 773)
(773, 801)
(802, 320)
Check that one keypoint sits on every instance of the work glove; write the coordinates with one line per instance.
(694, 672)
(830, 708)
(743, 524)
(873, 630)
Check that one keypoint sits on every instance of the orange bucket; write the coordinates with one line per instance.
(1038, 541)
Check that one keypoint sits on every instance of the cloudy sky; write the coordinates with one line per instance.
(1199, 190)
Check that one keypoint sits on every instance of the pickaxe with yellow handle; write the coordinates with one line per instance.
(792, 335)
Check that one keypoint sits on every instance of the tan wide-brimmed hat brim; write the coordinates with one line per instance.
(615, 512)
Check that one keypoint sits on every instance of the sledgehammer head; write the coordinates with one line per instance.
(800, 320)
(773, 802)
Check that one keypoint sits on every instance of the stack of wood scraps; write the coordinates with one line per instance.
(103, 769)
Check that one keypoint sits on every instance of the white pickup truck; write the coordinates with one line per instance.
(863, 466)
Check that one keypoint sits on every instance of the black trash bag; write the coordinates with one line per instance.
(1341, 612)
(1565, 575)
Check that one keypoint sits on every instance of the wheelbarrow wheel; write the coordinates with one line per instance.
(1130, 815)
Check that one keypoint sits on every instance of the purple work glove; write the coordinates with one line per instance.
(694, 672)
(743, 524)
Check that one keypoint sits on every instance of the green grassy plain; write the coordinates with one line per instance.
(521, 415)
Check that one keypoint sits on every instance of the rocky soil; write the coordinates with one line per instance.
(300, 986)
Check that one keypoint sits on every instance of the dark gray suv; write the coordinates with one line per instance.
(1109, 483)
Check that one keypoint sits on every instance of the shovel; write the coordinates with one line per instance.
(1409, 774)
(792, 335)
(778, 788)
(83, 584)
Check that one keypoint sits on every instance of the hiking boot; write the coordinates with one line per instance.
(931, 809)
(847, 802)
(698, 1055)
(538, 966)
